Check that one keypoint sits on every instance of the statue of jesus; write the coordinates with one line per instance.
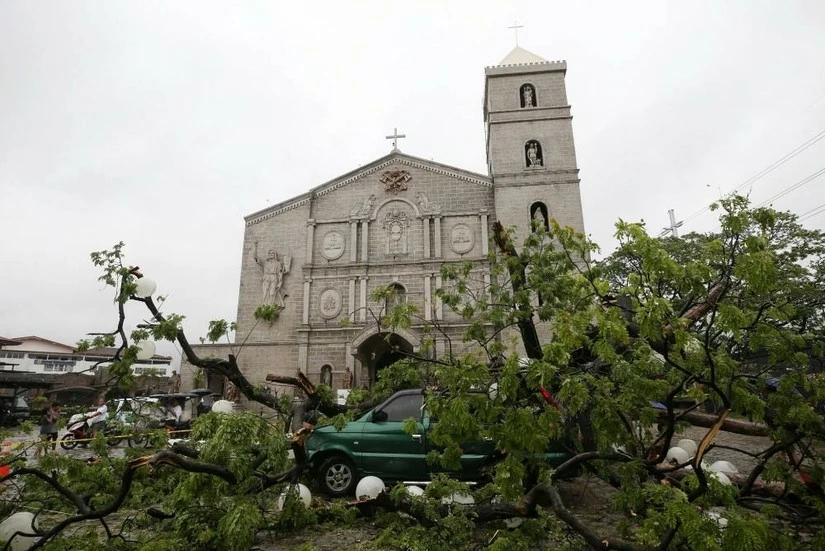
(272, 279)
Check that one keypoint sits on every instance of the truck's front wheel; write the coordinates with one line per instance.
(336, 476)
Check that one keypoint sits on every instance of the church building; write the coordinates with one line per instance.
(395, 222)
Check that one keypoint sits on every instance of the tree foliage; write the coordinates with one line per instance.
(609, 359)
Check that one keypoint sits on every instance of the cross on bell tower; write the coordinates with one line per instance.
(394, 138)
(516, 27)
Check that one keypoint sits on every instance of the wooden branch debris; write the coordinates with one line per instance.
(708, 420)
(518, 276)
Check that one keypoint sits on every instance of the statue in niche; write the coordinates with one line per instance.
(540, 216)
(326, 375)
(366, 207)
(424, 204)
(532, 151)
(528, 96)
(273, 268)
(395, 225)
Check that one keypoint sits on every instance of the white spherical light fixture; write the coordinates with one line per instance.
(146, 349)
(303, 493)
(223, 406)
(677, 455)
(721, 477)
(18, 522)
(688, 445)
(415, 491)
(145, 287)
(724, 467)
(369, 487)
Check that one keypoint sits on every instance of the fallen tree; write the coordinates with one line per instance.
(613, 351)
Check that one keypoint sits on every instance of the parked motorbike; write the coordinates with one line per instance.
(78, 427)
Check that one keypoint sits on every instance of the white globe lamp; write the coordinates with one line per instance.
(688, 445)
(303, 492)
(415, 491)
(677, 455)
(724, 467)
(146, 349)
(369, 487)
(721, 477)
(145, 287)
(223, 406)
(18, 522)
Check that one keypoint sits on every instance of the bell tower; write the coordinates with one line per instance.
(530, 151)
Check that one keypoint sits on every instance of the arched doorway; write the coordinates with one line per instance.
(380, 350)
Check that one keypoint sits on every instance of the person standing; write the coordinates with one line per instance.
(174, 383)
(48, 428)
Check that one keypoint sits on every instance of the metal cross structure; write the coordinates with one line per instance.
(394, 138)
(516, 27)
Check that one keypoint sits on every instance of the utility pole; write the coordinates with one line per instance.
(673, 224)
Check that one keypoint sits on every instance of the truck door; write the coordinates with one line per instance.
(386, 451)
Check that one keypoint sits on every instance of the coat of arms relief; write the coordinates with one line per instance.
(395, 180)
(396, 225)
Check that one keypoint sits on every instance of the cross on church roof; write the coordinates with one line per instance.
(394, 138)
(516, 27)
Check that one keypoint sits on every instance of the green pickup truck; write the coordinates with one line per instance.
(376, 444)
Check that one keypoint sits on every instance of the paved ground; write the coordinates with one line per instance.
(743, 462)
(22, 442)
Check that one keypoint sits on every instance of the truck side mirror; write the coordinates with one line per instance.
(379, 416)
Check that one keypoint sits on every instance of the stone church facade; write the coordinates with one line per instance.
(395, 222)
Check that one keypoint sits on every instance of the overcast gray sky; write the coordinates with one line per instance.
(163, 123)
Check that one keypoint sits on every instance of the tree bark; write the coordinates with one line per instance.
(707, 420)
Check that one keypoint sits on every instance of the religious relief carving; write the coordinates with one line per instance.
(273, 269)
(332, 245)
(533, 155)
(395, 181)
(365, 208)
(396, 225)
(424, 204)
(329, 303)
(462, 238)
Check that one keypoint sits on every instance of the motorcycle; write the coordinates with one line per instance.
(78, 427)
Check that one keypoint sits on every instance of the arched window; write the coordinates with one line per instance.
(539, 216)
(326, 375)
(397, 295)
(527, 95)
(533, 156)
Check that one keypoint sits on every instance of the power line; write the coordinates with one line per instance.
(781, 161)
(765, 171)
(794, 187)
(813, 212)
